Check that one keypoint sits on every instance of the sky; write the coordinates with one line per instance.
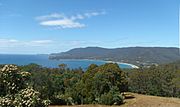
(50, 26)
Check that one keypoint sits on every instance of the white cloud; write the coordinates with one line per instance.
(61, 21)
(5, 43)
(51, 16)
(41, 46)
(64, 23)
(42, 41)
(90, 14)
(78, 16)
(13, 40)
(39, 43)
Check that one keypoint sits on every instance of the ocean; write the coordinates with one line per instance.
(44, 61)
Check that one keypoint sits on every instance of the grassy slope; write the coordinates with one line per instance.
(151, 101)
(142, 101)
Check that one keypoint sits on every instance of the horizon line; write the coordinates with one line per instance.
(89, 47)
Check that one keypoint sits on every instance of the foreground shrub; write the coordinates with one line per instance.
(113, 97)
(27, 97)
(6, 101)
(15, 91)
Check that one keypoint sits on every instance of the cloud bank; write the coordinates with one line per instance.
(6, 43)
(16, 46)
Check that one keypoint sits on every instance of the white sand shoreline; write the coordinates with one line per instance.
(133, 66)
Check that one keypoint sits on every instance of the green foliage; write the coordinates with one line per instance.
(99, 80)
(74, 86)
(14, 89)
(28, 98)
(112, 97)
(157, 80)
(102, 84)
(12, 80)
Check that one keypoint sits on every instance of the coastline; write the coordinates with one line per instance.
(133, 66)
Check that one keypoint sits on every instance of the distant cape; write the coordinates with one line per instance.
(144, 56)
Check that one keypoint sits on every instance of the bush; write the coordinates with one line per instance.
(27, 98)
(6, 101)
(15, 90)
(113, 97)
(110, 99)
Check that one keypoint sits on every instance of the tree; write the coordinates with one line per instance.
(100, 80)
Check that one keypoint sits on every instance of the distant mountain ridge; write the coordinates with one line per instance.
(133, 55)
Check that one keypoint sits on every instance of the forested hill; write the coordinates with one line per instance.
(134, 55)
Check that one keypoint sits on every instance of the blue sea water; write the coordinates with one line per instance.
(45, 62)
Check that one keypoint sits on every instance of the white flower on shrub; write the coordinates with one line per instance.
(12, 79)
(27, 97)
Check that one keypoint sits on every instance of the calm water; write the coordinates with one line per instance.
(44, 61)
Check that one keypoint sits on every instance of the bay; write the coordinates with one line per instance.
(44, 61)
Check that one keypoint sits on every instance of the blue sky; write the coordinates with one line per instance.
(48, 26)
